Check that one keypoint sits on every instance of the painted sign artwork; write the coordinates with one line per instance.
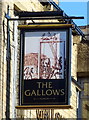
(44, 55)
(44, 78)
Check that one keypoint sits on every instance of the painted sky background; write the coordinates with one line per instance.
(76, 9)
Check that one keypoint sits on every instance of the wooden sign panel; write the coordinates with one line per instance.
(45, 66)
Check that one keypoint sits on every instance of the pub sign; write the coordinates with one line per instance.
(45, 57)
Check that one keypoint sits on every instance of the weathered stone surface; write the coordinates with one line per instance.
(83, 57)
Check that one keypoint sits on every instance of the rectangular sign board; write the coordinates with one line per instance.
(45, 66)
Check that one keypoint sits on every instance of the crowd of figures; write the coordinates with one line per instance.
(47, 70)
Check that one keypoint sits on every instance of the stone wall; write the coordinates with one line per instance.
(83, 72)
(83, 52)
(0, 60)
(84, 98)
